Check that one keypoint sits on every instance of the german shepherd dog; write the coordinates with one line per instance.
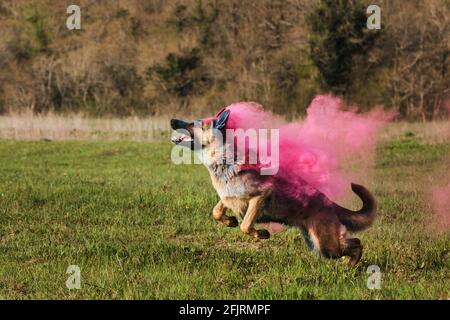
(257, 198)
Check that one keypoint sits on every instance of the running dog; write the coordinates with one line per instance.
(257, 198)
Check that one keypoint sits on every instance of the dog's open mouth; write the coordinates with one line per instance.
(184, 134)
(180, 137)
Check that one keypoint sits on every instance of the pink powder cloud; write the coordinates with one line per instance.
(313, 153)
(441, 207)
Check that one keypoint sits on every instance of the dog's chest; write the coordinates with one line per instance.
(226, 181)
(233, 194)
(231, 188)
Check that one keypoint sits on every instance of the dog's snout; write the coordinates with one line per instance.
(178, 124)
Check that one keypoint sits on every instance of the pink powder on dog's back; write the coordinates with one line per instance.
(313, 152)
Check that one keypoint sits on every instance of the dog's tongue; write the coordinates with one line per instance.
(180, 137)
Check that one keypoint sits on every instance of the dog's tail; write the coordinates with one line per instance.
(359, 220)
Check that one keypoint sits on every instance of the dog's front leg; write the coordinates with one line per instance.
(254, 209)
(220, 216)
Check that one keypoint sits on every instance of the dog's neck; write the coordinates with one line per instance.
(217, 164)
(223, 171)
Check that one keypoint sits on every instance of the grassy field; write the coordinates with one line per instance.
(140, 227)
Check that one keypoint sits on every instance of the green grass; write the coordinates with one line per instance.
(140, 227)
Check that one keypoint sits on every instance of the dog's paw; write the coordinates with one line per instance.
(262, 234)
(231, 222)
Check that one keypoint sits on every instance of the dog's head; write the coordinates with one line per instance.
(200, 134)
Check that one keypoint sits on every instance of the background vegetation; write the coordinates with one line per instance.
(159, 57)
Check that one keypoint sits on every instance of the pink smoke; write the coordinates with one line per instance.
(447, 107)
(441, 206)
(313, 153)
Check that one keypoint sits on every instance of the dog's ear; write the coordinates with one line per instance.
(221, 121)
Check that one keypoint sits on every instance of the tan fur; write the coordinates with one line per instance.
(237, 205)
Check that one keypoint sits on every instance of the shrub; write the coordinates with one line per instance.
(338, 35)
(182, 74)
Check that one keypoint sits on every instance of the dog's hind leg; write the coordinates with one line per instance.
(254, 209)
(352, 248)
(321, 232)
(328, 237)
(220, 216)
